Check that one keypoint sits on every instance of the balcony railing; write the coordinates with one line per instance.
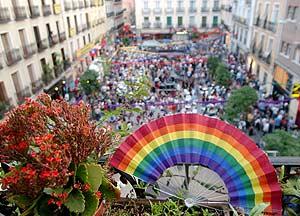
(204, 25)
(24, 93)
(55, 39)
(42, 45)
(62, 36)
(157, 11)
(81, 4)
(68, 6)
(169, 10)
(204, 9)
(37, 86)
(192, 10)
(29, 50)
(20, 12)
(4, 15)
(216, 9)
(241, 20)
(266, 57)
(35, 11)
(46, 10)
(146, 11)
(271, 26)
(146, 25)
(180, 10)
(12, 56)
(257, 21)
(157, 25)
(110, 14)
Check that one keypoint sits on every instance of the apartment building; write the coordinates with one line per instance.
(160, 16)
(114, 15)
(287, 60)
(39, 39)
(242, 23)
(129, 13)
(265, 38)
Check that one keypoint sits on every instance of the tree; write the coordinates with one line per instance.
(213, 63)
(239, 103)
(47, 75)
(222, 76)
(283, 142)
(3, 108)
(89, 82)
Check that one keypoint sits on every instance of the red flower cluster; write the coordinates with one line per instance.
(58, 199)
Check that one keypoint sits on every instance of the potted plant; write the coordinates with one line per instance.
(52, 149)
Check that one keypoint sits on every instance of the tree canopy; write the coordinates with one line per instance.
(89, 82)
(240, 102)
(283, 142)
(213, 63)
(222, 75)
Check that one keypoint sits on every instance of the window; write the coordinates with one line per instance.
(265, 78)
(215, 21)
(204, 4)
(275, 13)
(192, 4)
(157, 19)
(297, 55)
(146, 4)
(291, 12)
(192, 20)
(157, 4)
(270, 45)
(283, 47)
(169, 21)
(245, 36)
(31, 73)
(204, 20)
(180, 21)
(267, 10)
(169, 4)
(146, 19)
(180, 3)
(216, 3)
(241, 35)
(259, 9)
(288, 50)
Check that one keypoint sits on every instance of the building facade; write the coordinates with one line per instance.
(114, 15)
(242, 25)
(40, 39)
(287, 61)
(160, 16)
(265, 38)
(129, 13)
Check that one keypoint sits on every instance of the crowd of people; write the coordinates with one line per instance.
(181, 83)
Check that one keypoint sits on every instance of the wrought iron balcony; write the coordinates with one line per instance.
(37, 86)
(169, 10)
(216, 9)
(146, 25)
(204, 9)
(24, 93)
(20, 12)
(35, 11)
(193, 10)
(180, 10)
(4, 15)
(62, 36)
(29, 50)
(157, 25)
(68, 6)
(146, 11)
(46, 10)
(42, 45)
(157, 11)
(12, 56)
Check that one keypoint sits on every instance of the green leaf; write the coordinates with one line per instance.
(95, 174)
(259, 209)
(291, 212)
(75, 202)
(20, 200)
(42, 208)
(82, 173)
(107, 190)
(49, 191)
(92, 204)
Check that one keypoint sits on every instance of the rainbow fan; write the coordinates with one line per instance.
(244, 169)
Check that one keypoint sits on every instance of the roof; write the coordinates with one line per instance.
(287, 161)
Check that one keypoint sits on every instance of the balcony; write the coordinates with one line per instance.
(203, 25)
(68, 6)
(42, 45)
(271, 26)
(110, 14)
(46, 10)
(193, 10)
(180, 10)
(240, 20)
(169, 10)
(75, 5)
(266, 57)
(157, 11)
(81, 5)
(204, 9)
(146, 25)
(257, 21)
(4, 15)
(216, 9)
(72, 32)
(29, 50)
(20, 12)
(87, 3)
(55, 39)
(35, 11)
(62, 36)
(57, 8)
(84, 27)
(157, 25)
(146, 11)
(37, 86)
(79, 29)
(24, 93)
(215, 25)
(12, 56)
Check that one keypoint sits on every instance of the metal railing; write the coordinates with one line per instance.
(180, 10)
(12, 56)
(146, 25)
(35, 11)
(192, 10)
(29, 50)
(146, 11)
(62, 36)
(216, 9)
(20, 12)
(204, 9)
(4, 15)
(157, 11)
(110, 14)
(271, 26)
(169, 10)
(46, 10)
(42, 45)
(157, 25)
